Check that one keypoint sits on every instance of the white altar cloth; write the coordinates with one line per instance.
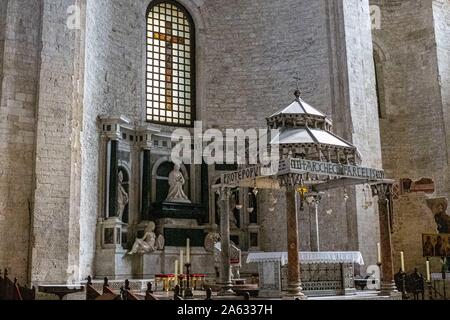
(307, 257)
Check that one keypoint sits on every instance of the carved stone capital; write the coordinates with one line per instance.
(290, 181)
(224, 193)
(383, 191)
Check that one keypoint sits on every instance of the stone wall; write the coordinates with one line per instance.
(361, 117)
(19, 48)
(245, 71)
(261, 54)
(414, 143)
(248, 55)
(441, 18)
(412, 47)
(3, 11)
(98, 28)
(413, 218)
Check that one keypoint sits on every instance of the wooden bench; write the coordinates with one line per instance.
(107, 295)
(11, 290)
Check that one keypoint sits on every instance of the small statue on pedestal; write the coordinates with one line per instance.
(122, 197)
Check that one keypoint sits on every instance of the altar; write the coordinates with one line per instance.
(322, 273)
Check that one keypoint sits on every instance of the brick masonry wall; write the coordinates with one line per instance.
(19, 42)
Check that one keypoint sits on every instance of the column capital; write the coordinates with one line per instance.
(224, 193)
(290, 181)
(382, 190)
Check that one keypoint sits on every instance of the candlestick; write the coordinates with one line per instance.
(181, 262)
(402, 260)
(188, 250)
(428, 272)
(176, 272)
(379, 252)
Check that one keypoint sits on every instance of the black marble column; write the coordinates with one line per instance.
(113, 177)
(205, 191)
(146, 185)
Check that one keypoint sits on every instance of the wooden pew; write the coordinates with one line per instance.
(91, 292)
(107, 295)
(149, 293)
(11, 290)
(126, 292)
(2, 287)
(27, 293)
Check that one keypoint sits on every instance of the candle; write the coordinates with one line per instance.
(402, 260)
(188, 250)
(379, 252)
(428, 271)
(176, 272)
(181, 262)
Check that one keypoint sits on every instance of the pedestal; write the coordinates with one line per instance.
(114, 264)
(270, 280)
(111, 258)
(146, 266)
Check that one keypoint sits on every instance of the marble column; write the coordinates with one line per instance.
(225, 280)
(294, 279)
(383, 191)
(146, 185)
(113, 177)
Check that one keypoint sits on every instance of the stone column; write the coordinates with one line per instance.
(383, 191)
(294, 279)
(226, 282)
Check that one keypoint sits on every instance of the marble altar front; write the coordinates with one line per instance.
(322, 273)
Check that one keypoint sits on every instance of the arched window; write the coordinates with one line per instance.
(170, 64)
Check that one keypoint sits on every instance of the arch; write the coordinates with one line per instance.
(170, 60)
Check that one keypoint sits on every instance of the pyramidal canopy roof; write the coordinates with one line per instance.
(299, 107)
(300, 123)
(309, 136)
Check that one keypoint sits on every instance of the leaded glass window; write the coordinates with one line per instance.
(170, 64)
